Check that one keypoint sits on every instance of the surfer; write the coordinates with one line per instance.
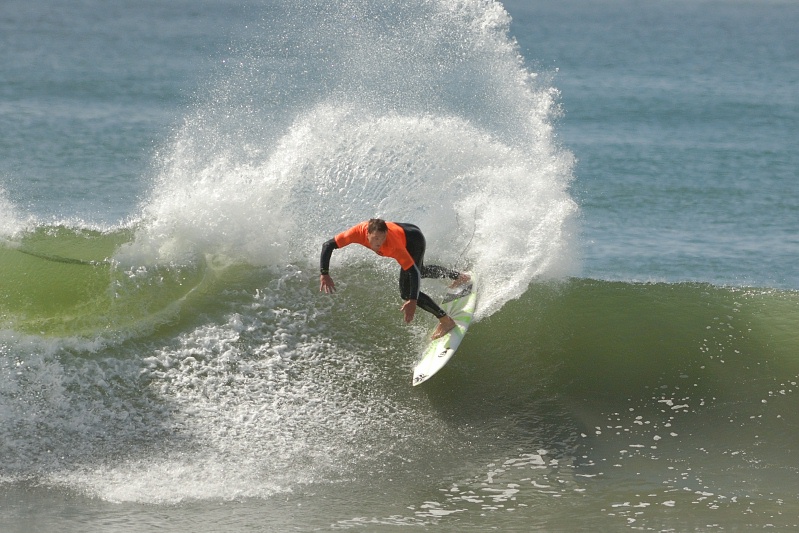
(406, 244)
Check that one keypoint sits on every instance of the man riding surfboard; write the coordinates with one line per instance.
(406, 244)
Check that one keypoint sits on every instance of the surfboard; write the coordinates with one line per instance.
(459, 303)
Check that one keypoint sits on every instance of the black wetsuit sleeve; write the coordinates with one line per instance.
(327, 252)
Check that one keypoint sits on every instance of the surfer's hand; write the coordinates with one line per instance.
(326, 284)
(409, 309)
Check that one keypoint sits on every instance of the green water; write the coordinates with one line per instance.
(61, 281)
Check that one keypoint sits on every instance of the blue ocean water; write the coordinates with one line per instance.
(623, 176)
(680, 114)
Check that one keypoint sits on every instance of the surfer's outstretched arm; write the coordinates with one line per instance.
(325, 281)
(409, 309)
(326, 284)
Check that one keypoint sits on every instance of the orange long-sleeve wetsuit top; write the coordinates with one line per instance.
(395, 247)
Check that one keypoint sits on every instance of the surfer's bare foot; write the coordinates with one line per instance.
(463, 278)
(445, 325)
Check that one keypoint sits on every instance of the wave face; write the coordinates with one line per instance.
(62, 282)
(650, 393)
(650, 397)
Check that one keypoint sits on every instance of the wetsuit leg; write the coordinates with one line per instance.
(435, 271)
(423, 300)
(415, 243)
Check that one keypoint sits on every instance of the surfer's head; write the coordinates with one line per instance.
(376, 233)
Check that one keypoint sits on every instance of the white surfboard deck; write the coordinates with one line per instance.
(460, 304)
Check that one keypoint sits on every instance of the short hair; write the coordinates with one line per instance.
(377, 225)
